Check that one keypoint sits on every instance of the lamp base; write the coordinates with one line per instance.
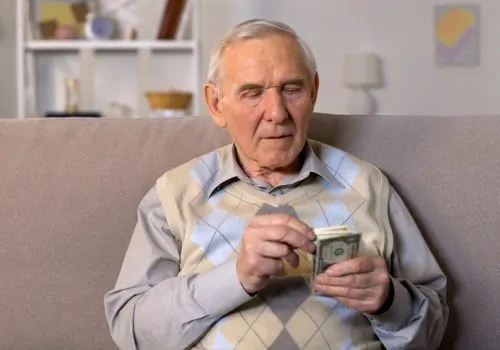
(361, 103)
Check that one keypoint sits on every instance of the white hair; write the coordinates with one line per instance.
(255, 29)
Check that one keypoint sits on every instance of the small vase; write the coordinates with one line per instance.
(72, 95)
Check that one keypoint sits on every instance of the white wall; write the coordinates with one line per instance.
(401, 32)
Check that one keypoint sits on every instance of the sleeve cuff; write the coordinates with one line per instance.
(398, 313)
(219, 291)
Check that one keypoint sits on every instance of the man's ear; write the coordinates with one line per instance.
(315, 89)
(213, 102)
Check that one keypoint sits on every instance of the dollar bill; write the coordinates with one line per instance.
(333, 244)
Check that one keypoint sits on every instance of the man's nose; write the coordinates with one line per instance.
(275, 110)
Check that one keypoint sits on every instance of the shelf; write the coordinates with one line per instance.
(146, 63)
(110, 45)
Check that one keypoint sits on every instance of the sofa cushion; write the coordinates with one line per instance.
(69, 192)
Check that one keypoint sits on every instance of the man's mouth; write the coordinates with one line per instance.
(278, 137)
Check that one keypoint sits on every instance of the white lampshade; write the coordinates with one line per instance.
(362, 70)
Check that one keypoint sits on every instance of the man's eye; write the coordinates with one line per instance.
(253, 93)
(292, 90)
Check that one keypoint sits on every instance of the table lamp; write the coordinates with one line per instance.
(361, 72)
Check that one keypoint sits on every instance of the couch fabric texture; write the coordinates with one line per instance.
(69, 191)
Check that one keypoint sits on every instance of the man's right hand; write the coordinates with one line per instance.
(267, 242)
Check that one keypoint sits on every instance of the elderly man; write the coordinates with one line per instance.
(219, 258)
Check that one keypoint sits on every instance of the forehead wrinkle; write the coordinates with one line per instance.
(252, 62)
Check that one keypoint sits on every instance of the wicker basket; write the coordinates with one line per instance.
(169, 99)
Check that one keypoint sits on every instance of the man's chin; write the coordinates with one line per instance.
(280, 154)
(279, 160)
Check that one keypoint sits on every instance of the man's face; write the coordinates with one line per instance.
(267, 98)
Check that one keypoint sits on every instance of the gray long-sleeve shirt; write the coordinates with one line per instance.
(152, 308)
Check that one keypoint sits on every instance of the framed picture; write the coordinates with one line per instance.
(456, 35)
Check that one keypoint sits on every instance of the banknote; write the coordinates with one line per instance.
(333, 244)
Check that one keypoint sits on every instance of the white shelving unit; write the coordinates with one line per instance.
(118, 71)
(111, 45)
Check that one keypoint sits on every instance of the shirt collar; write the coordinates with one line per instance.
(230, 169)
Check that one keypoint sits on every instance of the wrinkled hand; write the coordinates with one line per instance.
(361, 283)
(267, 242)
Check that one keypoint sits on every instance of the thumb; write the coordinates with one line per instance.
(292, 259)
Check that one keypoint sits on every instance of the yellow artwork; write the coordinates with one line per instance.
(457, 34)
(63, 14)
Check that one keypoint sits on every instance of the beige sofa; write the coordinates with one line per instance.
(69, 190)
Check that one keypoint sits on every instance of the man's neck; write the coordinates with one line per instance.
(272, 176)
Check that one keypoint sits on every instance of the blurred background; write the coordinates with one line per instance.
(425, 57)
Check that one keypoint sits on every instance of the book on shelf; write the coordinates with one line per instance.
(171, 19)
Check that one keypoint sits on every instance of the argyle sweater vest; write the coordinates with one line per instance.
(286, 315)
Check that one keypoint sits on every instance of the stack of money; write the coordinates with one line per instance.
(333, 244)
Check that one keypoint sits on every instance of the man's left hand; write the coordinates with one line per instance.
(362, 283)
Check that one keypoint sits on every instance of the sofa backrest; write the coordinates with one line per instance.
(69, 191)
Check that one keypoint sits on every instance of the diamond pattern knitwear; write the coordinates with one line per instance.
(287, 315)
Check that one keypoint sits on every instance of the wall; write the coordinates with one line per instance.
(7, 58)
(401, 32)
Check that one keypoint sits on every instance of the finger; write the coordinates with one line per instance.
(281, 219)
(270, 249)
(279, 250)
(270, 267)
(292, 259)
(364, 280)
(288, 236)
(273, 267)
(359, 265)
(345, 292)
(367, 306)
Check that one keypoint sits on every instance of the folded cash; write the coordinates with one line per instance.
(333, 244)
